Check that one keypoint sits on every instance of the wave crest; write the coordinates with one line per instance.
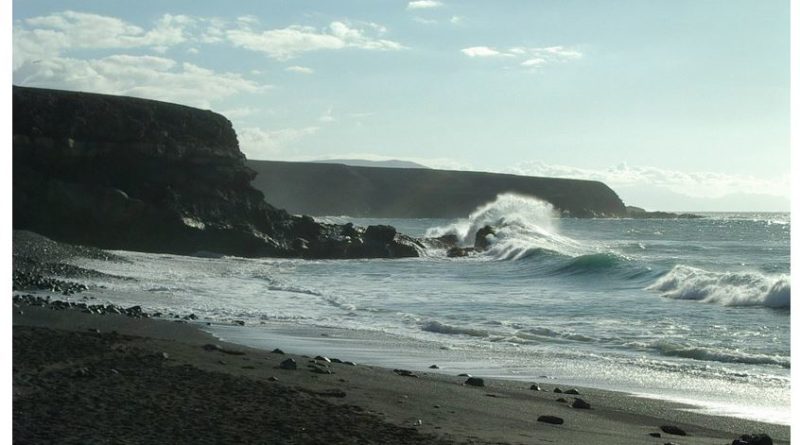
(523, 226)
(441, 328)
(719, 355)
(728, 288)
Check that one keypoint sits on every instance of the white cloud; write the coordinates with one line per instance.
(300, 69)
(43, 48)
(482, 51)
(456, 19)
(286, 43)
(257, 143)
(43, 36)
(424, 4)
(239, 113)
(692, 184)
(327, 116)
(532, 57)
(141, 76)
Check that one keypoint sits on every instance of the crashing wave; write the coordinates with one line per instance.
(523, 226)
(726, 288)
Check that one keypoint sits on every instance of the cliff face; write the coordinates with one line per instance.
(330, 189)
(125, 173)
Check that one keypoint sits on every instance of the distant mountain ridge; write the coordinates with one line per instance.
(337, 189)
(389, 163)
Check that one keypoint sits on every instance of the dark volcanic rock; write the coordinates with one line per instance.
(551, 419)
(475, 381)
(672, 429)
(753, 439)
(125, 173)
(581, 404)
(481, 238)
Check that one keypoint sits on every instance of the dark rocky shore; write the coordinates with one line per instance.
(88, 372)
(125, 173)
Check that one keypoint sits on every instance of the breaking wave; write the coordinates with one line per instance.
(441, 328)
(726, 288)
(719, 355)
(523, 226)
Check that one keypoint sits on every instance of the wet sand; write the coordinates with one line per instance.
(86, 378)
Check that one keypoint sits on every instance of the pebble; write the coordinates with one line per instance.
(289, 363)
(535, 387)
(433, 367)
(273, 379)
(475, 381)
(349, 363)
(277, 351)
(558, 390)
(551, 419)
(672, 429)
(464, 375)
(581, 404)
(164, 355)
(572, 391)
(561, 400)
(322, 359)
(655, 434)
(405, 373)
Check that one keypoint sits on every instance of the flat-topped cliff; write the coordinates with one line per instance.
(337, 189)
(126, 173)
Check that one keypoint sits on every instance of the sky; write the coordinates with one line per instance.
(676, 104)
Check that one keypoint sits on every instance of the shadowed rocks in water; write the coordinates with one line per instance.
(483, 238)
(134, 174)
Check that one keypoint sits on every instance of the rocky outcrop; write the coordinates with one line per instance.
(335, 189)
(640, 213)
(126, 173)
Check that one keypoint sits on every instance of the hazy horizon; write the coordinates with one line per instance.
(677, 105)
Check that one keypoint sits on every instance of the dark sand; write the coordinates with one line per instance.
(73, 385)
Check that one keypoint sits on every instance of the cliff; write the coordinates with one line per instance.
(335, 189)
(125, 173)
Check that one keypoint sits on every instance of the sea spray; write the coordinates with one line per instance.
(726, 288)
(523, 226)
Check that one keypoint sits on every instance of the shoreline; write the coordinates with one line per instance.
(391, 351)
(503, 410)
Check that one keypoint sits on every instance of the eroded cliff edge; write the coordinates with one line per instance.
(336, 189)
(126, 173)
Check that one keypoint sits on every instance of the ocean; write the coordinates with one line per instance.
(688, 310)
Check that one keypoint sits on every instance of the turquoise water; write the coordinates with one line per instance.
(690, 310)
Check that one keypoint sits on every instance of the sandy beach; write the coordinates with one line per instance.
(87, 378)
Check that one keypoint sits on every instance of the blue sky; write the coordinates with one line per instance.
(678, 105)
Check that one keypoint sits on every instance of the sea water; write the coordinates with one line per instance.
(690, 310)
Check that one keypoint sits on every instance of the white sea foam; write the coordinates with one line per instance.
(726, 288)
(523, 226)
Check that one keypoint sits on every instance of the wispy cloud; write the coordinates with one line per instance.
(300, 69)
(327, 116)
(483, 51)
(289, 42)
(527, 57)
(141, 76)
(257, 143)
(699, 184)
(424, 4)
